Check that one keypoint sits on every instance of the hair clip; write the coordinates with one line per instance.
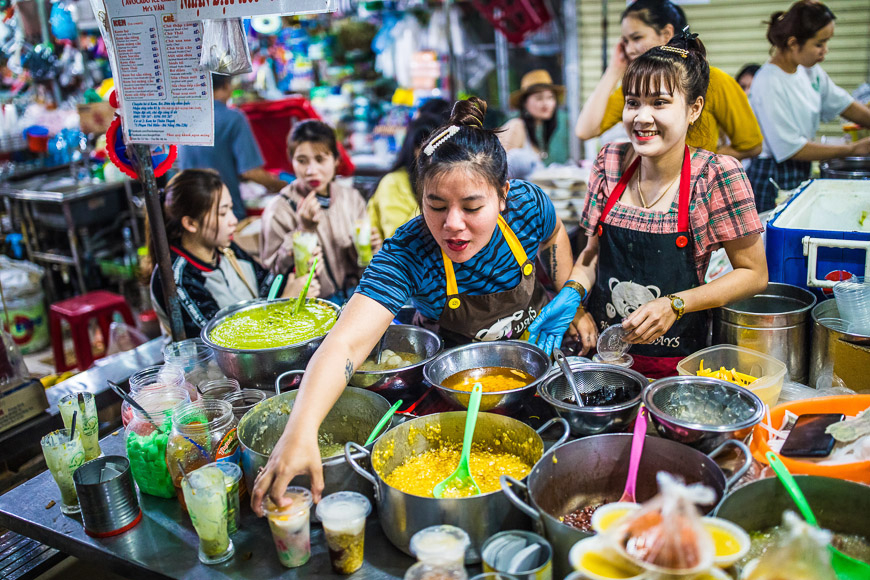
(440, 138)
(676, 50)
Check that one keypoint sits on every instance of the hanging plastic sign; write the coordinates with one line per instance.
(164, 96)
(189, 10)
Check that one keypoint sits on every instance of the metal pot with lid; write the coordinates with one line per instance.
(846, 168)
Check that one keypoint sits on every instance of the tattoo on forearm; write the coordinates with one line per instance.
(550, 260)
(348, 370)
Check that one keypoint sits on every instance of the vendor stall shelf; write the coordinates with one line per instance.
(164, 544)
(53, 202)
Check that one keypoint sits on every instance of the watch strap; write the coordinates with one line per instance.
(578, 287)
(679, 311)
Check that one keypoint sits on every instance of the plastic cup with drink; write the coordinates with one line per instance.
(205, 493)
(304, 245)
(291, 528)
(362, 241)
(88, 424)
(63, 457)
(343, 515)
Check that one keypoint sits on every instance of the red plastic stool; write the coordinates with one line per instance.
(78, 312)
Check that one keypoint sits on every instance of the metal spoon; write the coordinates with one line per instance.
(380, 350)
(132, 402)
(569, 375)
(846, 567)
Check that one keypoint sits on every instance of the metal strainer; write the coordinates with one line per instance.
(611, 396)
(700, 411)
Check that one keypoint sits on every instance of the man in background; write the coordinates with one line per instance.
(235, 154)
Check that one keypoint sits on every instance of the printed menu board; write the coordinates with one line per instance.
(202, 9)
(164, 95)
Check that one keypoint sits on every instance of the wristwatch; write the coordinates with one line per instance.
(678, 305)
(576, 286)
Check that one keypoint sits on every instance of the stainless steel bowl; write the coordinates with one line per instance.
(515, 354)
(657, 398)
(591, 378)
(258, 368)
(846, 168)
(404, 383)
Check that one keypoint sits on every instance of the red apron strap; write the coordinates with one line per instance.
(685, 193)
(620, 188)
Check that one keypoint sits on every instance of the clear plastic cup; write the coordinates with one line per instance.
(853, 303)
(63, 457)
(233, 475)
(205, 493)
(362, 241)
(304, 244)
(625, 360)
(87, 424)
(611, 343)
(291, 527)
(218, 388)
(195, 359)
(343, 516)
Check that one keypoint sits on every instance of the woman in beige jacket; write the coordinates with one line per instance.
(317, 204)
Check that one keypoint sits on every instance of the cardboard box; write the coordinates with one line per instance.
(852, 365)
(21, 402)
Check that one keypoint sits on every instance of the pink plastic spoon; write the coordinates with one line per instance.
(637, 440)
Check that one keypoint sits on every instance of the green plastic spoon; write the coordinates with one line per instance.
(301, 301)
(273, 289)
(845, 567)
(387, 416)
(461, 478)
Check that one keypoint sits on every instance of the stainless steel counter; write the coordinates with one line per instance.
(164, 544)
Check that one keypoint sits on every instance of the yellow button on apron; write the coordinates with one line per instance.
(453, 303)
(527, 269)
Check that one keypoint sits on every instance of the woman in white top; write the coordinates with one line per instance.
(791, 95)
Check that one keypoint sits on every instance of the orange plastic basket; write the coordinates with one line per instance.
(849, 405)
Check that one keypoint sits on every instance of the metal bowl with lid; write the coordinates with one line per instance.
(258, 368)
(739, 408)
(514, 354)
(611, 397)
(846, 168)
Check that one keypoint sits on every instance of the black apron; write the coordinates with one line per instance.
(636, 267)
(498, 316)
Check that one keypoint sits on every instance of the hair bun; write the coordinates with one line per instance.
(468, 113)
(688, 41)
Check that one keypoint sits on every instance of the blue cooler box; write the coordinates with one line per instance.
(818, 235)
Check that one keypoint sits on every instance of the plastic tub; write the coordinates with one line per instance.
(849, 405)
(769, 371)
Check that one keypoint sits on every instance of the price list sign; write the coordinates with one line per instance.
(165, 97)
(190, 10)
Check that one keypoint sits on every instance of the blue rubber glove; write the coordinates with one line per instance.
(552, 323)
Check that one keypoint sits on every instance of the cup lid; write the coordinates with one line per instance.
(611, 343)
(625, 360)
(231, 470)
(343, 505)
(301, 502)
(440, 543)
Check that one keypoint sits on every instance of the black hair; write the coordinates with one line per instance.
(471, 145)
(657, 14)
(679, 65)
(435, 107)
(418, 131)
(802, 21)
(312, 131)
(219, 82)
(530, 122)
(748, 69)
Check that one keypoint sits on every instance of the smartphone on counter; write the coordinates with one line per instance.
(808, 438)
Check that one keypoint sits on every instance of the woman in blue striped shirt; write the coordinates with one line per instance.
(466, 263)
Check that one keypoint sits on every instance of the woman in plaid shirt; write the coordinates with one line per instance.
(655, 211)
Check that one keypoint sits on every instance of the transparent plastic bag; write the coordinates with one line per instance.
(800, 554)
(224, 47)
(667, 534)
(124, 337)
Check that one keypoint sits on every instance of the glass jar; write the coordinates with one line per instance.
(244, 400)
(203, 432)
(146, 443)
(194, 358)
(218, 388)
(154, 379)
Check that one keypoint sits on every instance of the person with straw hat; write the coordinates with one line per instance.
(539, 136)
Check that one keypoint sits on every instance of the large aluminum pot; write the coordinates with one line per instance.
(775, 322)
(846, 168)
(352, 418)
(840, 506)
(593, 470)
(827, 330)
(405, 383)
(515, 354)
(258, 368)
(402, 514)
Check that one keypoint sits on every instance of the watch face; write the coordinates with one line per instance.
(678, 302)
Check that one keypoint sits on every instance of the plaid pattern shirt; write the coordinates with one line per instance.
(722, 206)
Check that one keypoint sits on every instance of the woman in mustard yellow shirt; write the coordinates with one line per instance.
(649, 23)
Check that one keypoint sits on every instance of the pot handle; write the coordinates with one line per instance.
(349, 448)
(747, 460)
(507, 483)
(284, 375)
(557, 421)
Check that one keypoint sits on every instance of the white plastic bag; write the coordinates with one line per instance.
(224, 47)
(801, 554)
